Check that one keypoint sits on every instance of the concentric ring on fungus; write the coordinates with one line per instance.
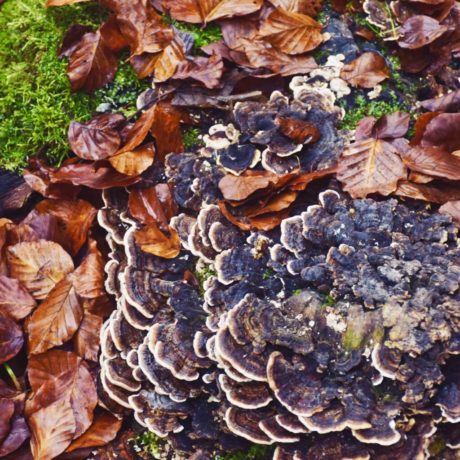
(338, 337)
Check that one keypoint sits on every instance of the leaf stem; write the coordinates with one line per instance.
(12, 376)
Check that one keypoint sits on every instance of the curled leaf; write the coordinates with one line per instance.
(419, 31)
(134, 162)
(152, 240)
(366, 71)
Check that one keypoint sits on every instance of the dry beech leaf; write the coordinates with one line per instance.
(299, 131)
(419, 31)
(370, 166)
(292, 33)
(152, 240)
(239, 188)
(53, 428)
(138, 131)
(88, 278)
(442, 131)
(98, 138)
(98, 175)
(39, 265)
(59, 374)
(15, 301)
(75, 218)
(366, 71)
(7, 411)
(92, 64)
(202, 11)
(433, 193)
(134, 162)
(56, 319)
(153, 205)
(11, 339)
(310, 7)
(86, 340)
(449, 102)
(103, 430)
(205, 70)
(433, 161)
(166, 64)
(452, 208)
(263, 55)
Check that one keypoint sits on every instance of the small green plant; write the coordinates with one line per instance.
(296, 291)
(191, 138)
(148, 443)
(202, 35)
(328, 301)
(202, 275)
(267, 274)
(255, 452)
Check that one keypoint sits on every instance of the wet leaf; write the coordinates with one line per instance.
(38, 265)
(92, 64)
(56, 319)
(292, 33)
(59, 374)
(153, 205)
(442, 131)
(166, 64)
(19, 432)
(53, 428)
(86, 340)
(103, 430)
(15, 301)
(198, 11)
(419, 31)
(299, 131)
(7, 411)
(71, 39)
(11, 339)
(370, 166)
(75, 218)
(138, 132)
(205, 70)
(433, 193)
(366, 71)
(452, 208)
(134, 162)
(88, 278)
(152, 240)
(241, 187)
(98, 138)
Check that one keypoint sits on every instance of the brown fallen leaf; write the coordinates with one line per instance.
(7, 411)
(442, 131)
(59, 374)
(39, 265)
(205, 70)
(370, 166)
(434, 192)
(197, 11)
(134, 162)
(92, 64)
(98, 138)
(152, 240)
(292, 33)
(103, 430)
(310, 7)
(263, 55)
(449, 102)
(165, 64)
(419, 31)
(15, 300)
(299, 131)
(433, 161)
(153, 205)
(240, 187)
(88, 278)
(63, 2)
(11, 339)
(452, 208)
(366, 71)
(98, 175)
(75, 218)
(86, 340)
(56, 319)
(53, 428)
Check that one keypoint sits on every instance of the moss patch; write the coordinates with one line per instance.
(36, 104)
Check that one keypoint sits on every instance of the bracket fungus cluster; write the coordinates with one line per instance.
(333, 336)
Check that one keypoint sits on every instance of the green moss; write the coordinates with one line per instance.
(352, 340)
(191, 138)
(202, 35)
(375, 108)
(149, 443)
(255, 452)
(202, 275)
(296, 291)
(437, 446)
(268, 273)
(36, 104)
